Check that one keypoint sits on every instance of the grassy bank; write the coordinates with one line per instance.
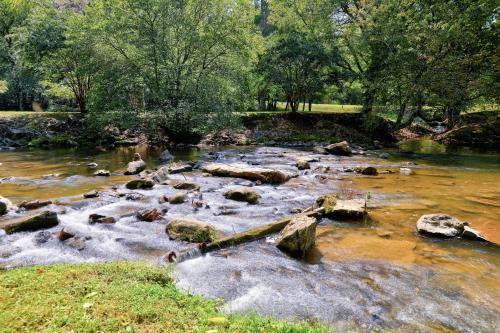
(115, 297)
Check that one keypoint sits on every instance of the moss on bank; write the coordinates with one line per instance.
(115, 297)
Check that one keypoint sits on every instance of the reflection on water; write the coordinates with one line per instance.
(378, 274)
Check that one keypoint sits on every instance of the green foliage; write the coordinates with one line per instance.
(115, 297)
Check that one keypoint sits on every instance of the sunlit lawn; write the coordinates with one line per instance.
(8, 114)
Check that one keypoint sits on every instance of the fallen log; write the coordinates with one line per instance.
(239, 238)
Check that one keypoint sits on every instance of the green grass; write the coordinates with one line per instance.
(116, 297)
(316, 108)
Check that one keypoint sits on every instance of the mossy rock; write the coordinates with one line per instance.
(190, 231)
(186, 186)
(44, 220)
(328, 202)
(178, 198)
(243, 194)
(140, 184)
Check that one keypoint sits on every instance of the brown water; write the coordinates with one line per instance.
(377, 274)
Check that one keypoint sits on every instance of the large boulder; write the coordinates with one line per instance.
(244, 194)
(5, 205)
(31, 205)
(440, 225)
(246, 172)
(44, 220)
(298, 236)
(190, 231)
(136, 166)
(341, 149)
(140, 184)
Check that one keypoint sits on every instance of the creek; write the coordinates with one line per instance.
(374, 274)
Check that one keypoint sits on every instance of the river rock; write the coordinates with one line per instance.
(246, 172)
(91, 194)
(77, 243)
(384, 156)
(185, 186)
(5, 205)
(177, 198)
(166, 156)
(440, 225)
(31, 205)
(148, 215)
(303, 165)
(101, 219)
(140, 184)
(298, 236)
(159, 176)
(473, 234)
(369, 171)
(405, 171)
(44, 220)
(180, 168)
(320, 150)
(328, 202)
(341, 149)
(136, 166)
(92, 165)
(134, 196)
(243, 194)
(63, 235)
(353, 209)
(42, 237)
(102, 173)
(190, 230)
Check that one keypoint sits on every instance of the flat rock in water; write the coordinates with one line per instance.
(298, 236)
(180, 168)
(44, 220)
(243, 194)
(190, 230)
(246, 172)
(185, 186)
(440, 225)
(140, 184)
(91, 194)
(353, 210)
(31, 205)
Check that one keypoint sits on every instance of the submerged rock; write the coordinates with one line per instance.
(243, 194)
(166, 156)
(298, 236)
(102, 173)
(101, 219)
(77, 243)
(341, 149)
(148, 215)
(91, 194)
(190, 231)
(405, 171)
(246, 172)
(44, 220)
(140, 184)
(31, 205)
(136, 166)
(369, 171)
(440, 225)
(42, 237)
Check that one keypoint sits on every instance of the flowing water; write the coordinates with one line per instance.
(375, 274)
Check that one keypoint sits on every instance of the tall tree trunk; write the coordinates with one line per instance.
(368, 100)
(287, 104)
(310, 105)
